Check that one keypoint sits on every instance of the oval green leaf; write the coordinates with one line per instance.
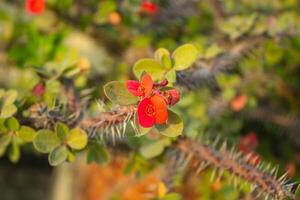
(149, 66)
(10, 97)
(152, 149)
(45, 141)
(61, 130)
(12, 124)
(5, 140)
(173, 127)
(184, 56)
(58, 155)
(117, 93)
(8, 111)
(162, 55)
(26, 133)
(77, 139)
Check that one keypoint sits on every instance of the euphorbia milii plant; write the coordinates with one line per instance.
(152, 108)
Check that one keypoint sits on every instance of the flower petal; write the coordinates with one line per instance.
(160, 105)
(133, 87)
(144, 120)
(147, 83)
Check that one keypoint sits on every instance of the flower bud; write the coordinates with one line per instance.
(173, 96)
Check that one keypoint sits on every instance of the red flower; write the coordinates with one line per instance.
(152, 110)
(38, 89)
(149, 7)
(248, 143)
(143, 88)
(35, 7)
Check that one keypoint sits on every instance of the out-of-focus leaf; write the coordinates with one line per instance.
(184, 56)
(117, 93)
(12, 124)
(152, 149)
(163, 56)
(45, 141)
(58, 155)
(97, 153)
(173, 127)
(149, 66)
(26, 133)
(14, 152)
(77, 139)
(171, 196)
(213, 51)
(8, 111)
(10, 97)
(61, 130)
(5, 140)
(171, 76)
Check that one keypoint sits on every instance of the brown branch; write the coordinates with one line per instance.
(264, 181)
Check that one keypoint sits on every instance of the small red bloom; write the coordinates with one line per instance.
(173, 96)
(35, 7)
(38, 89)
(149, 7)
(142, 88)
(152, 110)
(248, 143)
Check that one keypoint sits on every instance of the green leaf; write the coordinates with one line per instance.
(58, 155)
(5, 140)
(162, 55)
(173, 127)
(2, 126)
(71, 156)
(12, 124)
(152, 148)
(159, 53)
(171, 76)
(2, 151)
(8, 111)
(184, 56)
(117, 93)
(171, 196)
(149, 66)
(26, 133)
(77, 139)
(213, 51)
(14, 152)
(10, 97)
(45, 141)
(61, 130)
(97, 153)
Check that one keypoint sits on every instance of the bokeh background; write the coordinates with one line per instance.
(244, 87)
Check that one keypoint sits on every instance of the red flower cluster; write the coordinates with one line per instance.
(35, 7)
(152, 108)
(149, 7)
